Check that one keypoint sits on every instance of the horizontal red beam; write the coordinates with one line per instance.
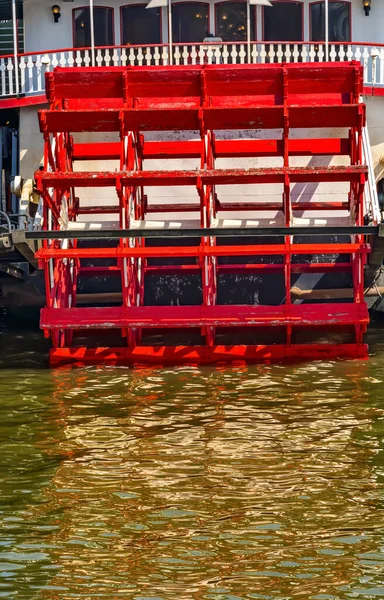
(222, 206)
(180, 115)
(204, 316)
(222, 149)
(159, 355)
(24, 101)
(370, 90)
(295, 268)
(104, 270)
(237, 268)
(246, 206)
(207, 177)
(200, 251)
(228, 268)
(98, 210)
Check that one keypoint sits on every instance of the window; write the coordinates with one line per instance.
(339, 22)
(231, 21)
(190, 22)
(103, 25)
(6, 37)
(140, 25)
(283, 22)
(6, 28)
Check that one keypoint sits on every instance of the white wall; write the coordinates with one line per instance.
(31, 141)
(41, 33)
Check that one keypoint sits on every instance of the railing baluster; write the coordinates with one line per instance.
(263, 53)
(3, 79)
(201, 55)
(165, 56)
(107, 57)
(312, 53)
(30, 67)
(295, 53)
(254, 53)
(287, 53)
(380, 58)
(87, 58)
(279, 54)
(99, 58)
(242, 54)
(39, 73)
(148, 56)
(217, 54)
(78, 59)
(209, 55)
(365, 65)
(193, 55)
(234, 54)
(140, 56)
(22, 67)
(10, 75)
(271, 53)
(225, 54)
(157, 56)
(63, 60)
(115, 57)
(177, 55)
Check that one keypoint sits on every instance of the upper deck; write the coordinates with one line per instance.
(127, 34)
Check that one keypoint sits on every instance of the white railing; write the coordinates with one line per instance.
(31, 67)
(371, 200)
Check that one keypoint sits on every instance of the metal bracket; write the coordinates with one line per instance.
(13, 271)
(25, 246)
(6, 242)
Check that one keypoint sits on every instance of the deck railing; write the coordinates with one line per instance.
(25, 76)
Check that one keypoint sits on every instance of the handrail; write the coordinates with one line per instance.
(200, 43)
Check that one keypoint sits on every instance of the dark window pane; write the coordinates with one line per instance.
(283, 22)
(6, 36)
(140, 25)
(189, 22)
(231, 21)
(339, 22)
(103, 21)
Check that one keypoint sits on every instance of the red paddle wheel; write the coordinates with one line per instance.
(281, 104)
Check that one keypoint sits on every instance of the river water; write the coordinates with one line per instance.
(231, 483)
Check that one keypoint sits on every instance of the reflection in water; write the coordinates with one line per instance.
(239, 483)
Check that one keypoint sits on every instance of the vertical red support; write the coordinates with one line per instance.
(287, 199)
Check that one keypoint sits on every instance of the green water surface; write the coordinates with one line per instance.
(263, 482)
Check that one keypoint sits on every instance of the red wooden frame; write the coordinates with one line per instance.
(217, 4)
(143, 5)
(94, 8)
(302, 21)
(347, 2)
(209, 97)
